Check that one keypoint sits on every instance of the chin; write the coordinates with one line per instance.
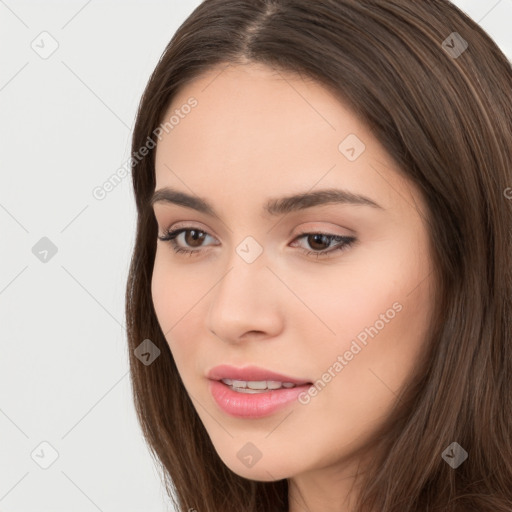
(262, 471)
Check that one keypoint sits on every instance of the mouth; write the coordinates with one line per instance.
(253, 392)
(253, 379)
(257, 386)
(255, 396)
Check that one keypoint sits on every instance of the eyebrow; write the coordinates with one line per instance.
(274, 206)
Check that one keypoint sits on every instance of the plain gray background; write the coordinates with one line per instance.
(65, 128)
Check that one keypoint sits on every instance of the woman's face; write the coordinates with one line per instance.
(337, 294)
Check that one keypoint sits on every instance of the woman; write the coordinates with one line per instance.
(319, 299)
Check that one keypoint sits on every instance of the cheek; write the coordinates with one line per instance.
(366, 295)
(357, 391)
(178, 306)
(162, 288)
(380, 314)
(174, 292)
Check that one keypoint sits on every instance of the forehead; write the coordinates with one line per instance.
(259, 131)
(261, 99)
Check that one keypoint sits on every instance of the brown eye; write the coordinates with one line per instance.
(191, 238)
(319, 241)
(194, 237)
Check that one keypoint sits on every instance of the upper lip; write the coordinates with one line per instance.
(251, 373)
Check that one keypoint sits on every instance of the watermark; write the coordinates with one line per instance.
(352, 147)
(44, 45)
(101, 191)
(147, 352)
(44, 250)
(249, 249)
(341, 361)
(44, 455)
(249, 454)
(454, 455)
(455, 45)
(508, 192)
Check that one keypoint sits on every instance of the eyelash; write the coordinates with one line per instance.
(346, 242)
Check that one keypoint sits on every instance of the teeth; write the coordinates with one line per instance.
(253, 386)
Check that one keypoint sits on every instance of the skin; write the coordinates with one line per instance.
(258, 133)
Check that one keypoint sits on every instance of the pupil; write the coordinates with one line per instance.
(198, 236)
(315, 238)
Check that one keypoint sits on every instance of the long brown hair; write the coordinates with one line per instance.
(436, 91)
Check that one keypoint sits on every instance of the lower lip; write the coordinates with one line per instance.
(253, 405)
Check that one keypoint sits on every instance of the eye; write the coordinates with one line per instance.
(194, 238)
(315, 239)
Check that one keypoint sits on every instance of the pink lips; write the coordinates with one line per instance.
(254, 373)
(252, 405)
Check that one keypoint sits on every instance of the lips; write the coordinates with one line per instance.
(252, 373)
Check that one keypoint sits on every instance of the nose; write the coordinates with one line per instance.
(246, 303)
